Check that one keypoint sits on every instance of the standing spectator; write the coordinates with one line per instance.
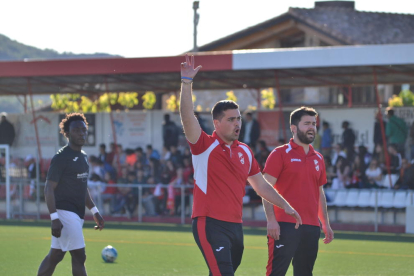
(30, 164)
(102, 153)
(169, 132)
(396, 131)
(250, 130)
(326, 144)
(348, 140)
(377, 130)
(7, 133)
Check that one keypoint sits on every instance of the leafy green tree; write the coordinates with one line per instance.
(96, 103)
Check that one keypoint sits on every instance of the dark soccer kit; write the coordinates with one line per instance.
(70, 169)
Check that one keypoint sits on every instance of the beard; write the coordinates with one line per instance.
(303, 138)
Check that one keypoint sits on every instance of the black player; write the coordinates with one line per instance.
(67, 195)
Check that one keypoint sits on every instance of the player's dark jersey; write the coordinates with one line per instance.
(70, 169)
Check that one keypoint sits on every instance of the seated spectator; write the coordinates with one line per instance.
(147, 194)
(96, 167)
(187, 153)
(111, 154)
(140, 155)
(406, 180)
(330, 172)
(364, 155)
(394, 168)
(160, 196)
(96, 186)
(358, 173)
(152, 154)
(379, 155)
(342, 170)
(166, 154)
(110, 191)
(176, 156)
(124, 198)
(337, 151)
(373, 174)
(131, 157)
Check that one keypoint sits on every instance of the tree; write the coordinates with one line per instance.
(100, 102)
(268, 98)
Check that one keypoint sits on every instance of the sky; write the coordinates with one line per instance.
(148, 28)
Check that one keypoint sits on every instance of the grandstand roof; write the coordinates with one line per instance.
(295, 67)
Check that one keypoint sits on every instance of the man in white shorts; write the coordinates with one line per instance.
(66, 195)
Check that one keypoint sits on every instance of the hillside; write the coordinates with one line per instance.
(13, 50)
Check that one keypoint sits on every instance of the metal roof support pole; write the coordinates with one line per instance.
(349, 96)
(111, 116)
(384, 141)
(279, 98)
(25, 104)
(39, 150)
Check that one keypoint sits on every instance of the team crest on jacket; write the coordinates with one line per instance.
(241, 157)
(316, 165)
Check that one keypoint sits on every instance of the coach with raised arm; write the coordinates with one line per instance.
(222, 165)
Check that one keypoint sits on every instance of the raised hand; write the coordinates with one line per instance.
(187, 67)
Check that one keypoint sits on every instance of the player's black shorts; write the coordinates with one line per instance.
(300, 244)
(221, 243)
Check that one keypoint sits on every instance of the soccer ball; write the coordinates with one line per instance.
(109, 254)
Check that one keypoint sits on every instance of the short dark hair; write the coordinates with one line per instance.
(103, 146)
(390, 111)
(65, 123)
(222, 106)
(297, 114)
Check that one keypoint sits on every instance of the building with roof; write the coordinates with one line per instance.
(329, 23)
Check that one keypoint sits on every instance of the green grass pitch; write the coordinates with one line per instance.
(160, 249)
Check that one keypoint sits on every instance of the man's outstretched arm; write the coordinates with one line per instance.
(192, 129)
(266, 191)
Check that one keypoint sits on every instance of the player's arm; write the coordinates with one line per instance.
(96, 215)
(266, 191)
(323, 217)
(192, 129)
(273, 228)
(57, 225)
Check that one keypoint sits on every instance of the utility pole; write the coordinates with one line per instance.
(196, 18)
